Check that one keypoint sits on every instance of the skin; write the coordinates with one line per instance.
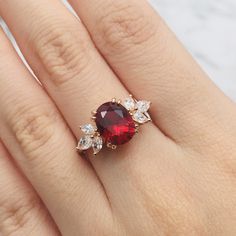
(177, 177)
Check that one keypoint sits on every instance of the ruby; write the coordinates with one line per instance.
(114, 123)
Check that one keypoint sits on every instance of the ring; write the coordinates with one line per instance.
(116, 124)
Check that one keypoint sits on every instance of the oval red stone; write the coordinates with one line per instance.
(114, 123)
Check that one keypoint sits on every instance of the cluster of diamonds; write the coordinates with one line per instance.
(92, 139)
(138, 109)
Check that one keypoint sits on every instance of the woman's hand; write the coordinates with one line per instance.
(178, 177)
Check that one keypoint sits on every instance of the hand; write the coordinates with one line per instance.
(177, 177)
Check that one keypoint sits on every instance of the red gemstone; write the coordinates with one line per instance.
(114, 123)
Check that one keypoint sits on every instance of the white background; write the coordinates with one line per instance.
(208, 30)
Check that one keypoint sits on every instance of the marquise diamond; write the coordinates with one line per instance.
(97, 144)
(88, 129)
(143, 106)
(140, 117)
(129, 104)
(85, 143)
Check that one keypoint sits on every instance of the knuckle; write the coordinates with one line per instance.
(63, 52)
(123, 25)
(33, 128)
(15, 215)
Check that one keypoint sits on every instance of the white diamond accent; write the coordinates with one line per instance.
(143, 106)
(97, 145)
(140, 117)
(85, 143)
(88, 129)
(129, 104)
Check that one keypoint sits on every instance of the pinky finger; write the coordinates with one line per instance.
(21, 211)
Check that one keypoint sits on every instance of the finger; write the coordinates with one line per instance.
(42, 145)
(21, 210)
(153, 64)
